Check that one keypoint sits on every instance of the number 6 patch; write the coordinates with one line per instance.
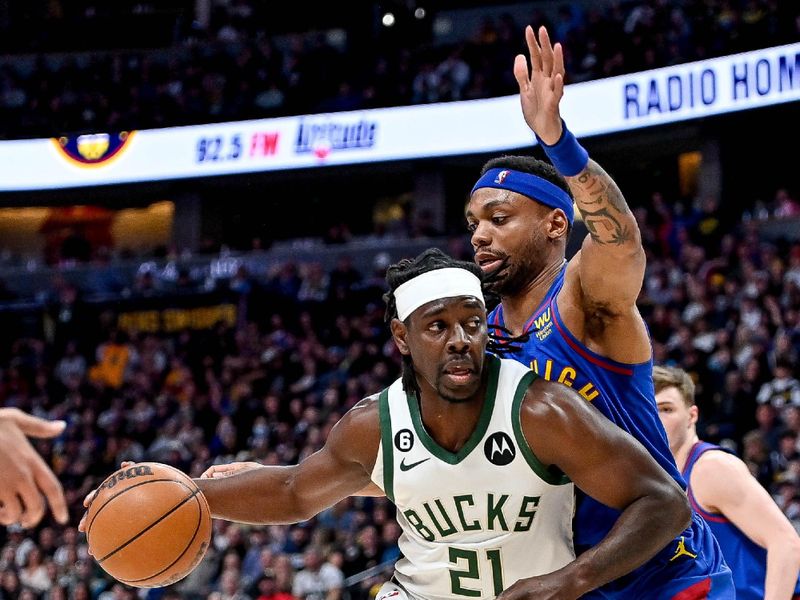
(404, 440)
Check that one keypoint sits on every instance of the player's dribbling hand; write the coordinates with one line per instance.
(540, 91)
(217, 471)
(24, 476)
(553, 586)
(90, 496)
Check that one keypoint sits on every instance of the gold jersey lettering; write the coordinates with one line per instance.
(589, 392)
(567, 376)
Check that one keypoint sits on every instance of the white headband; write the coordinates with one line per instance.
(435, 285)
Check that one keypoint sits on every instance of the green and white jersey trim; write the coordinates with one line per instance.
(477, 520)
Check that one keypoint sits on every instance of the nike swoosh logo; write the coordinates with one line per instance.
(408, 467)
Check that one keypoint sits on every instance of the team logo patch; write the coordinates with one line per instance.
(499, 449)
(501, 176)
(404, 440)
(93, 149)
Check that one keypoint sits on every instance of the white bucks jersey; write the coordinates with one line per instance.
(477, 520)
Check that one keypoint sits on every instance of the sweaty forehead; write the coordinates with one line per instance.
(488, 199)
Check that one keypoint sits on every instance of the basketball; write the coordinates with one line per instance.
(148, 525)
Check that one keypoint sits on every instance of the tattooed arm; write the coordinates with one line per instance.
(604, 279)
(612, 259)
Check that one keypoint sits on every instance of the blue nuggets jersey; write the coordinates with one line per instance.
(625, 394)
(746, 559)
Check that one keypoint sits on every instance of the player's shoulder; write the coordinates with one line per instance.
(719, 464)
(550, 402)
(357, 433)
(366, 409)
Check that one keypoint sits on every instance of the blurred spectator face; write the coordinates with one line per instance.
(9, 583)
(312, 559)
(765, 416)
(791, 417)
(266, 586)
(230, 582)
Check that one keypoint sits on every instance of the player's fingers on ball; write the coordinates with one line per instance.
(82, 525)
(53, 492)
(88, 498)
(126, 463)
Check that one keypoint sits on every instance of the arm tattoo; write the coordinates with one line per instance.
(598, 189)
(602, 206)
(605, 228)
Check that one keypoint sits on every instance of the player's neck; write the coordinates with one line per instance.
(519, 307)
(682, 455)
(451, 424)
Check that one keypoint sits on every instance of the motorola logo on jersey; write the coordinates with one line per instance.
(499, 449)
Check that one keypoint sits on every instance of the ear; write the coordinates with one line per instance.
(399, 334)
(694, 414)
(557, 225)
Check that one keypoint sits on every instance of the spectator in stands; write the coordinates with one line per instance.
(783, 389)
(319, 579)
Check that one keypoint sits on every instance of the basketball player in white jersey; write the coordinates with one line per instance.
(478, 455)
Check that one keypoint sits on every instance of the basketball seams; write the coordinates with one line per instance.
(120, 544)
(180, 556)
(120, 492)
(150, 526)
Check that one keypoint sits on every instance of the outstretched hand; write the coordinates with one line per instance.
(217, 471)
(25, 479)
(541, 91)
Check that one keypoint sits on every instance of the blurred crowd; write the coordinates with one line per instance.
(719, 300)
(226, 66)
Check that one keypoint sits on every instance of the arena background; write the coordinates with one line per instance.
(201, 319)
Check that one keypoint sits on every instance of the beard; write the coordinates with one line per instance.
(465, 394)
(513, 276)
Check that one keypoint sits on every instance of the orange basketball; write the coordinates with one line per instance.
(148, 525)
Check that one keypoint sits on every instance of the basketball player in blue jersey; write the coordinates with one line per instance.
(759, 543)
(480, 457)
(579, 316)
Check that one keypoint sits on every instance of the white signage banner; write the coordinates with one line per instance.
(731, 83)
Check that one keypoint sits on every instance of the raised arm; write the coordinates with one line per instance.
(272, 495)
(721, 483)
(609, 465)
(612, 259)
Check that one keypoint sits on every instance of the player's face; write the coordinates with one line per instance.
(508, 237)
(677, 418)
(447, 342)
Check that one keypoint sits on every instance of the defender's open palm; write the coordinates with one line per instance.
(541, 91)
(26, 481)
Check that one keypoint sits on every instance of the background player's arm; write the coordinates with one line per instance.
(611, 466)
(721, 483)
(270, 495)
(612, 260)
(25, 479)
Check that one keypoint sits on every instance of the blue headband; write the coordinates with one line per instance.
(527, 184)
